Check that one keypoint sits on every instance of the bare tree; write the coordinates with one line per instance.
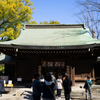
(90, 14)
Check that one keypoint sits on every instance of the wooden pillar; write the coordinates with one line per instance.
(93, 71)
(35, 65)
(16, 69)
(73, 75)
(40, 69)
(93, 75)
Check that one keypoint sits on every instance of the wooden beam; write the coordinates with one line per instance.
(73, 75)
(93, 75)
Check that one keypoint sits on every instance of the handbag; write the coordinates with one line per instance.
(86, 86)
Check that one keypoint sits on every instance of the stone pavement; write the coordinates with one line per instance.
(26, 94)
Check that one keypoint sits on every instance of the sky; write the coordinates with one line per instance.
(63, 11)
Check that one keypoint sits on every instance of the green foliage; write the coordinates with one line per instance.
(14, 13)
(54, 22)
(32, 22)
(2, 69)
(51, 22)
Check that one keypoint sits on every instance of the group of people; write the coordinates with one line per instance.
(45, 88)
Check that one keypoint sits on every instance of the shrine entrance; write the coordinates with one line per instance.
(57, 67)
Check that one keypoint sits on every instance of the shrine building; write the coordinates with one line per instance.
(51, 48)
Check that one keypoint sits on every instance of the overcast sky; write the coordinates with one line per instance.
(62, 11)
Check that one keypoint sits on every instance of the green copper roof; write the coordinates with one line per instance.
(54, 37)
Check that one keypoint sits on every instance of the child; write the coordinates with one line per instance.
(59, 86)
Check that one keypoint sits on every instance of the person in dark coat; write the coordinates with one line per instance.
(67, 83)
(1, 85)
(37, 87)
(48, 89)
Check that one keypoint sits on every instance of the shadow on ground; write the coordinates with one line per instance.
(28, 95)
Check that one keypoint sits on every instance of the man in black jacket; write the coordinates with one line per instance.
(67, 83)
(37, 87)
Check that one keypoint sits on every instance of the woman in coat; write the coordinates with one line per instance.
(59, 86)
(48, 89)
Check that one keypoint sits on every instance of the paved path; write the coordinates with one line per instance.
(26, 94)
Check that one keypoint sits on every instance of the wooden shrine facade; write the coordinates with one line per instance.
(77, 63)
(59, 52)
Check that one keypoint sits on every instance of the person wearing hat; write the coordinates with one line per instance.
(37, 87)
(87, 87)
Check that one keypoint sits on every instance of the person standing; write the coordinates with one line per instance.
(1, 85)
(59, 86)
(53, 77)
(87, 87)
(48, 88)
(67, 83)
(42, 79)
(37, 87)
